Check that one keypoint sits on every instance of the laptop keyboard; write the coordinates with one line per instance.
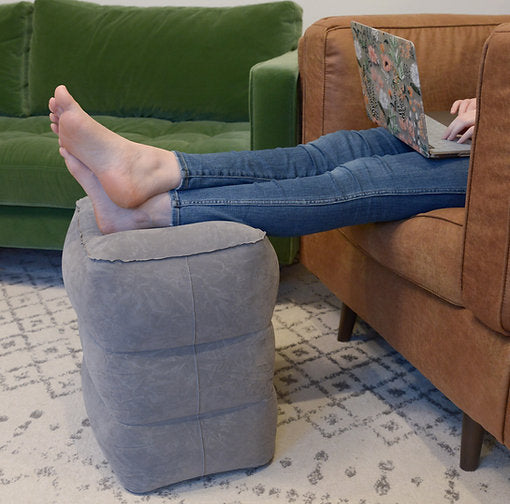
(435, 131)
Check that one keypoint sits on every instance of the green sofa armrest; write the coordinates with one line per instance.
(274, 120)
(274, 108)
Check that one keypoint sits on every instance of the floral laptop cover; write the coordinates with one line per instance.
(392, 92)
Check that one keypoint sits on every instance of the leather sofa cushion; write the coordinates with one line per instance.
(32, 173)
(15, 27)
(426, 249)
(191, 63)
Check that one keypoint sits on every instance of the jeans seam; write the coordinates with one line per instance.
(185, 173)
(175, 204)
(254, 178)
(328, 201)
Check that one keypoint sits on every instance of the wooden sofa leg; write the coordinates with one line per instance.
(347, 321)
(471, 444)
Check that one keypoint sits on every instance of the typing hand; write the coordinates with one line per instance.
(464, 123)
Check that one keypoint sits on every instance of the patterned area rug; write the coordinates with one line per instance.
(357, 423)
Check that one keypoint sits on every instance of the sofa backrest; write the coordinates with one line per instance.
(15, 28)
(177, 63)
(448, 49)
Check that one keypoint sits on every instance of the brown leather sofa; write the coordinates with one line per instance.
(435, 286)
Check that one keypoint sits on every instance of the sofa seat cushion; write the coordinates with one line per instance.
(188, 136)
(426, 249)
(32, 173)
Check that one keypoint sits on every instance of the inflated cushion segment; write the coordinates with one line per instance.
(178, 346)
(15, 31)
(104, 43)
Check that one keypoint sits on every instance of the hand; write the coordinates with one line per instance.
(464, 123)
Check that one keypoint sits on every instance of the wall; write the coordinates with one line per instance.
(316, 9)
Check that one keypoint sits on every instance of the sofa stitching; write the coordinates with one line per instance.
(385, 26)
(437, 217)
(479, 103)
(25, 100)
(504, 284)
(324, 66)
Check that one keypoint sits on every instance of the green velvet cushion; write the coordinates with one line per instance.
(15, 27)
(32, 173)
(178, 63)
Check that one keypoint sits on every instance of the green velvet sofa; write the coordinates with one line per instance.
(194, 79)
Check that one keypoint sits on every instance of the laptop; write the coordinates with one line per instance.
(392, 93)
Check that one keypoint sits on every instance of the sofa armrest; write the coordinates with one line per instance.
(274, 102)
(486, 280)
(274, 120)
(330, 82)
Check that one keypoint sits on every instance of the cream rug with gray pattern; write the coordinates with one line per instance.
(357, 423)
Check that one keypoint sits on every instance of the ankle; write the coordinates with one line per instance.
(174, 169)
(157, 211)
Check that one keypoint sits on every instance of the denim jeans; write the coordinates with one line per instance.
(344, 178)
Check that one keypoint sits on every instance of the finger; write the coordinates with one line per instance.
(453, 133)
(461, 106)
(455, 107)
(472, 104)
(453, 129)
(467, 135)
(464, 106)
(446, 133)
(457, 126)
(448, 130)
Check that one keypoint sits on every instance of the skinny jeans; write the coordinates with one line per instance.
(340, 179)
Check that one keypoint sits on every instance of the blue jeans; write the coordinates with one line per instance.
(344, 178)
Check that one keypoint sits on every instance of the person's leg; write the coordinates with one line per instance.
(311, 159)
(364, 190)
(378, 188)
(131, 173)
(330, 187)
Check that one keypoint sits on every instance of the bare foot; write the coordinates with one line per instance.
(53, 115)
(130, 173)
(110, 218)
